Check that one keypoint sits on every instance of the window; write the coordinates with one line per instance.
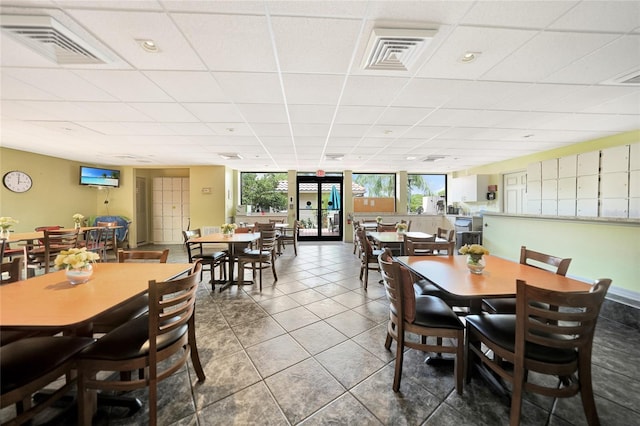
(264, 191)
(378, 192)
(426, 193)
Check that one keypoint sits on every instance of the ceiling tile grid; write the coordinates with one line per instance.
(282, 84)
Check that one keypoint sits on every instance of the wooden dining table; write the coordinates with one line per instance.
(450, 274)
(236, 241)
(50, 301)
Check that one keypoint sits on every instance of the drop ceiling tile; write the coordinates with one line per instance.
(537, 97)
(625, 104)
(311, 113)
(372, 91)
(348, 130)
(229, 42)
(418, 12)
(233, 7)
(128, 86)
(484, 94)
(358, 114)
(120, 30)
(300, 130)
(617, 58)
(187, 129)
(310, 89)
(231, 129)
(165, 111)
(467, 117)
(404, 116)
(424, 132)
(271, 129)
(594, 122)
(330, 42)
(12, 88)
(614, 16)
(188, 86)
(263, 113)
(214, 112)
(109, 4)
(131, 129)
(387, 132)
(430, 93)
(63, 84)
(524, 14)
(251, 87)
(545, 54)
(492, 45)
(333, 9)
(108, 111)
(587, 97)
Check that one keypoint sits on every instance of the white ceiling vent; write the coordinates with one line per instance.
(52, 40)
(433, 158)
(395, 49)
(230, 156)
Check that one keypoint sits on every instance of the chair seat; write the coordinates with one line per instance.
(28, 359)
(130, 310)
(434, 312)
(130, 340)
(256, 253)
(218, 255)
(426, 288)
(501, 329)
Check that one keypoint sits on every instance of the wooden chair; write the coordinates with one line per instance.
(417, 246)
(531, 258)
(195, 251)
(368, 257)
(423, 316)
(289, 235)
(30, 364)
(108, 238)
(408, 224)
(94, 243)
(386, 227)
(356, 246)
(159, 343)
(446, 234)
(10, 271)
(54, 242)
(542, 340)
(274, 221)
(136, 307)
(260, 258)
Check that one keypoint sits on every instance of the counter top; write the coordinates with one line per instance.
(617, 220)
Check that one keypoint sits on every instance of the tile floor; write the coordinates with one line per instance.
(309, 350)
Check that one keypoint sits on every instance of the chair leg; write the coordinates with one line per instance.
(586, 391)
(195, 356)
(459, 361)
(295, 247)
(366, 276)
(516, 395)
(397, 377)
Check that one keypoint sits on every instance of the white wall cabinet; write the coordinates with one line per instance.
(170, 209)
(567, 166)
(470, 188)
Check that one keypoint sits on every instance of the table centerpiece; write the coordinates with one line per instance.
(78, 263)
(6, 222)
(401, 228)
(475, 257)
(77, 220)
(228, 228)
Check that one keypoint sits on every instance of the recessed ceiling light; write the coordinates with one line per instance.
(530, 135)
(148, 45)
(387, 132)
(469, 57)
(334, 157)
(411, 157)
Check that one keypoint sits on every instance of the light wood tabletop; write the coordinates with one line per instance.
(450, 273)
(51, 301)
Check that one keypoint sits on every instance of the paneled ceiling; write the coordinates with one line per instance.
(282, 83)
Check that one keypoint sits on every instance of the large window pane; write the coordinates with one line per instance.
(262, 191)
(427, 193)
(379, 192)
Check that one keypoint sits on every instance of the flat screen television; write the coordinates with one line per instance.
(96, 176)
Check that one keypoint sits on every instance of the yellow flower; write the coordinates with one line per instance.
(228, 227)
(473, 249)
(77, 218)
(7, 222)
(75, 258)
(401, 226)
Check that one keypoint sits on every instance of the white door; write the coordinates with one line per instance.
(515, 192)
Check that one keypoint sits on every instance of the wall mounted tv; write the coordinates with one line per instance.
(96, 176)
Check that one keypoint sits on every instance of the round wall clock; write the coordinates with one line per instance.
(17, 181)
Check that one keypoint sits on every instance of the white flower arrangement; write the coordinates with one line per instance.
(227, 228)
(473, 249)
(75, 258)
(7, 222)
(77, 218)
(401, 227)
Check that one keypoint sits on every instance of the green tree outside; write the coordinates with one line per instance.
(259, 191)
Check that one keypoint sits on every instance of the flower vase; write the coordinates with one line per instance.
(475, 263)
(228, 233)
(79, 275)
(77, 225)
(4, 233)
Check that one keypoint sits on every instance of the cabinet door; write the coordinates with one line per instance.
(587, 187)
(634, 184)
(534, 171)
(550, 207)
(534, 207)
(614, 185)
(615, 159)
(550, 169)
(634, 208)
(567, 189)
(587, 207)
(567, 166)
(634, 156)
(614, 207)
(549, 190)
(567, 207)
(534, 190)
(588, 163)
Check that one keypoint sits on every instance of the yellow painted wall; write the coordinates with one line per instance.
(597, 249)
(208, 209)
(56, 194)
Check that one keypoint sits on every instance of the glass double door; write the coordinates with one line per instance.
(320, 208)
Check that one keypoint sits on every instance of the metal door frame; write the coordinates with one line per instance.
(337, 180)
